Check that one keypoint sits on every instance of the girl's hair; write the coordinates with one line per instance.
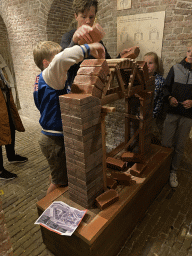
(156, 59)
(82, 5)
(45, 50)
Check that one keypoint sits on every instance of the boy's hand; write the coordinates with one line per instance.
(173, 102)
(82, 36)
(187, 104)
(97, 50)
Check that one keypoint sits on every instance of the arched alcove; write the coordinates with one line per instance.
(59, 19)
(26, 23)
(6, 62)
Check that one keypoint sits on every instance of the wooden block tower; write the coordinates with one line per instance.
(81, 117)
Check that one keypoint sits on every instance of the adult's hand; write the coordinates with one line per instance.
(187, 104)
(82, 36)
(173, 102)
(97, 50)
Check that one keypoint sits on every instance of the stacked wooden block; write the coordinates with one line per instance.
(96, 33)
(81, 117)
(91, 77)
(83, 145)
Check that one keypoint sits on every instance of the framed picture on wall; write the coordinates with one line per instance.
(144, 30)
(123, 4)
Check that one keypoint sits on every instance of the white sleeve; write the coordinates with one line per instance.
(55, 74)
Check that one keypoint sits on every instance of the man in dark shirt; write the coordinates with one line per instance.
(178, 122)
(85, 13)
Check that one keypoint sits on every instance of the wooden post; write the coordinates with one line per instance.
(104, 150)
(127, 119)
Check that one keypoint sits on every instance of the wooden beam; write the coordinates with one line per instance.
(104, 150)
(132, 138)
(113, 90)
(116, 150)
(112, 97)
(109, 82)
(120, 80)
(105, 109)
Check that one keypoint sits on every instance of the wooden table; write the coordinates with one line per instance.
(104, 232)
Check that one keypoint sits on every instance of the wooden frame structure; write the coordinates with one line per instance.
(133, 82)
(110, 80)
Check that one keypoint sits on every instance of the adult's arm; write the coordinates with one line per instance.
(67, 41)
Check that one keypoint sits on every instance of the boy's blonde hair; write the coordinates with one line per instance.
(45, 50)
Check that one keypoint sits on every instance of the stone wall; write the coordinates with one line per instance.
(59, 19)
(4, 45)
(115, 125)
(177, 30)
(26, 23)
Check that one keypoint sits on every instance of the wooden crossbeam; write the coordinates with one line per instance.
(109, 82)
(132, 139)
(131, 81)
(120, 80)
(105, 109)
(112, 97)
(113, 90)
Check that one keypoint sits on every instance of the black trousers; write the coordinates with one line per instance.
(10, 148)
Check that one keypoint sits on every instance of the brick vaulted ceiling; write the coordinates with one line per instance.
(59, 18)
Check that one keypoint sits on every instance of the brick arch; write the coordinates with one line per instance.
(59, 19)
(26, 23)
(6, 61)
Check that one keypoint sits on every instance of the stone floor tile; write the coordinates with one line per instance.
(179, 221)
(124, 251)
(157, 243)
(164, 250)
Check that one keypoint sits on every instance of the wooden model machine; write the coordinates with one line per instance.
(83, 113)
(122, 183)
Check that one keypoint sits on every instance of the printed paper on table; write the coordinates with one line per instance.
(61, 218)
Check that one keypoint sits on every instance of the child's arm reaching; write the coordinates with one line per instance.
(55, 74)
(97, 50)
